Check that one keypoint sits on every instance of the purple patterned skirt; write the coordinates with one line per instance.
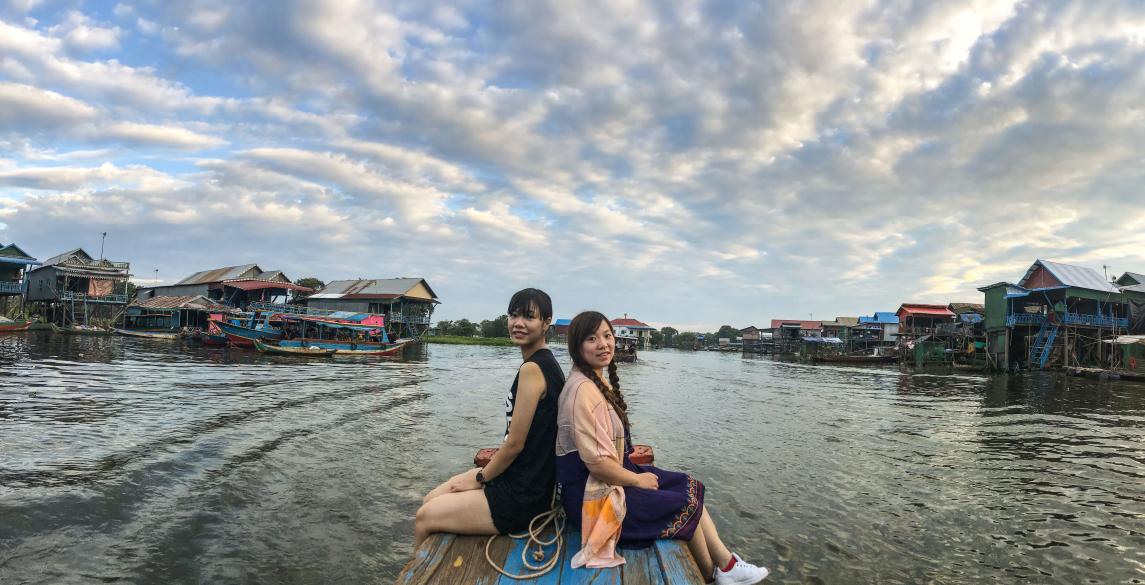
(673, 511)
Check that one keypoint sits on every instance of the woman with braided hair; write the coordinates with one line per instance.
(613, 500)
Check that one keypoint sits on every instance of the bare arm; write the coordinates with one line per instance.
(530, 388)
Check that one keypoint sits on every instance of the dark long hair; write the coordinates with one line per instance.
(527, 300)
(583, 326)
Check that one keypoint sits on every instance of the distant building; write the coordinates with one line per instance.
(887, 322)
(172, 313)
(14, 266)
(626, 327)
(918, 319)
(1129, 279)
(234, 286)
(406, 303)
(1061, 314)
(559, 331)
(75, 289)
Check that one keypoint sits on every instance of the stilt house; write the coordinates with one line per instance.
(14, 266)
(75, 289)
(406, 303)
(1057, 315)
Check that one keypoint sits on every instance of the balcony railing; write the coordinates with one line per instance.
(1095, 320)
(400, 318)
(1024, 319)
(14, 288)
(68, 295)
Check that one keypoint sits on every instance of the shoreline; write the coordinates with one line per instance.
(459, 340)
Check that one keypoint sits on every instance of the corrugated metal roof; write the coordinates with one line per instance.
(1070, 275)
(14, 252)
(61, 257)
(366, 288)
(960, 308)
(924, 309)
(180, 302)
(810, 325)
(630, 323)
(217, 274)
(562, 322)
(1140, 278)
(258, 284)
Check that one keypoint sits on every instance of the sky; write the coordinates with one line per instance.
(690, 164)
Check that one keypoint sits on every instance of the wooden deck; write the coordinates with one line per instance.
(449, 558)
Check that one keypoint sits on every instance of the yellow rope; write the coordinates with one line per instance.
(556, 516)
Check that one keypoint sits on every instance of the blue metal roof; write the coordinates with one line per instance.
(562, 322)
(881, 317)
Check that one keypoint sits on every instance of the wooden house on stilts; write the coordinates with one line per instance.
(75, 289)
(1057, 315)
(14, 267)
(406, 303)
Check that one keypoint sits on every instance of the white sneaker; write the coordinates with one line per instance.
(742, 573)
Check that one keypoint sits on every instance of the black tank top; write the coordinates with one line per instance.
(534, 469)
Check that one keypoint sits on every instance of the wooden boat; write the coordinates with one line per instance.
(82, 330)
(395, 350)
(149, 334)
(625, 349)
(348, 338)
(452, 558)
(296, 351)
(213, 339)
(241, 336)
(15, 326)
(856, 359)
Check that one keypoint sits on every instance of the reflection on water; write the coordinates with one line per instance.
(155, 462)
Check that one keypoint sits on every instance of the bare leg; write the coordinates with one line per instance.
(458, 512)
(437, 491)
(699, 547)
(719, 553)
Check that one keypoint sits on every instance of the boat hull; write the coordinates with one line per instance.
(244, 336)
(15, 327)
(858, 359)
(148, 334)
(293, 351)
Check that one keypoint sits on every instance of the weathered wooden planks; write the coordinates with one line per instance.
(461, 559)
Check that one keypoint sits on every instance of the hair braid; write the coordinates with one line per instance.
(611, 395)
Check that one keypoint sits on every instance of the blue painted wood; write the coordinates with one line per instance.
(514, 565)
(677, 563)
(426, 559)
(642, 567)
(581, 576)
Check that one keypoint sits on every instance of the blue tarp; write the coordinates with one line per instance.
(970, 318)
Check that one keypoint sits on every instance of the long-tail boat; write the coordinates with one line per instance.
(348, 338)
(244, 336)
(82, 330)
(296, 351)
(14, 326)
(170, 335)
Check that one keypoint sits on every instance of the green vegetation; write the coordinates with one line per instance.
(460, 340)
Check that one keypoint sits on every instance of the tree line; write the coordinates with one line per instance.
(665, 337)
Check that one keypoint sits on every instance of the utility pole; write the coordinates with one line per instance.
(103, 238)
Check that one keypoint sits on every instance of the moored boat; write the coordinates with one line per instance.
(169, 335)
(82, 330)
(625, 349)
(394, 350)
(296, 351)
(241, 336)
(15, 326)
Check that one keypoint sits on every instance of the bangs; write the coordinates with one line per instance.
(530, 303)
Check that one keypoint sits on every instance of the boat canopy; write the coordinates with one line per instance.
(325, 322)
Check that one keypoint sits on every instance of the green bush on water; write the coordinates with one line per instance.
(459, 340)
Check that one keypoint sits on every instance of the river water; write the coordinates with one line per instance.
(140, 461)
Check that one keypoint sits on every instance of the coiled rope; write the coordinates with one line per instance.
(555, 516)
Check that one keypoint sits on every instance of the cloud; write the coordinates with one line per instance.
(707, 162)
